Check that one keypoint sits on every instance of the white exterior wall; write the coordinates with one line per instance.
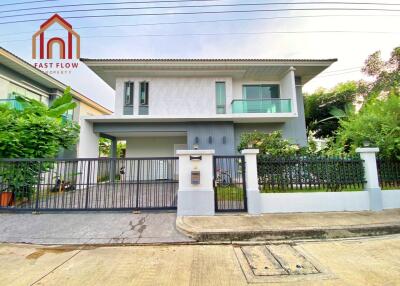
(178, 96)
(152, 146)
(3, 88)
(193, 96)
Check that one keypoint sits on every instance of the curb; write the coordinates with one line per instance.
(286, 234)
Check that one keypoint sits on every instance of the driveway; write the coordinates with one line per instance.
(90, 228)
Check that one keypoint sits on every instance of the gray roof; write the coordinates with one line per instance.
(209, 60)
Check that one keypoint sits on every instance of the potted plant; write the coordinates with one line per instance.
(6, 199)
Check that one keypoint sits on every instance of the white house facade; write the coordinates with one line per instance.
(162, 105)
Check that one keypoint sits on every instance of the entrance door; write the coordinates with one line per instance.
(229, 184)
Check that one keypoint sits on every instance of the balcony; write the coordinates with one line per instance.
(66, 117)
(273, 105)
(13, 103)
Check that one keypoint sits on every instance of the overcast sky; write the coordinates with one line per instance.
(354, 35)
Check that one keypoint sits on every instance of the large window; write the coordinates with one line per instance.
(220, 93)
(144, 98)
(260, 91)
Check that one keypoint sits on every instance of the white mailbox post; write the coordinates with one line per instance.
(196, 192)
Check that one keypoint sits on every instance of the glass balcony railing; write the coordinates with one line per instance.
(273, 105)
(66, 117)
(13, 103)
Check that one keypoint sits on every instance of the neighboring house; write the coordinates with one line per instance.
(162, 105)
(17, 77)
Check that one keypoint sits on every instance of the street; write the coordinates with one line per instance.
(366, 261)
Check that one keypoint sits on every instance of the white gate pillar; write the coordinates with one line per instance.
(252, 189)
(371, 177)
(196, 191)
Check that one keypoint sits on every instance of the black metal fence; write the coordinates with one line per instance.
(229, 184)
(306, 173)
(388, 173)
(88, 184)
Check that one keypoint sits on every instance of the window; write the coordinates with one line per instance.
(260, 91)
(144, 98)
(220, 93)
(128, 94)
(144, 93)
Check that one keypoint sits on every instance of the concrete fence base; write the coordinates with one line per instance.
(325, 202)
(196, 199)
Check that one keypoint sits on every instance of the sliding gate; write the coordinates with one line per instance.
(89, 184)
(229, 184)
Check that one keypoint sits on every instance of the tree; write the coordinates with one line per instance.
(378, 122)
(385, 74)
(37, 131)
(320, 105)
(105, 147)
(268, 143)
(34, 131)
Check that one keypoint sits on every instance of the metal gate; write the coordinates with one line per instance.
(229, 184)
(89, 184)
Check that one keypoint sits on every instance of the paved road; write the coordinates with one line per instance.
(373, 261)
(93, 228)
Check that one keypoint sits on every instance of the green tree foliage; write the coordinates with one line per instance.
(37, 131)
(105, 147)
(378, 122)
(268, 143)
(320, 104)
(385, 74)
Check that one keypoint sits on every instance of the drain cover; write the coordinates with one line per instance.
(268, 263)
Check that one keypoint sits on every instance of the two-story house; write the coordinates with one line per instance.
(18, 77)
(162, 105)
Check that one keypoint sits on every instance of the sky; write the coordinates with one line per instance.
(348, 35)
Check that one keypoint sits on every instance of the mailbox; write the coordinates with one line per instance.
(195, 177)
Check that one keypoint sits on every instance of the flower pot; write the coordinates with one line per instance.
(6, 199)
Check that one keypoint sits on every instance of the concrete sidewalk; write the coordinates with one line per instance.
(290, 226)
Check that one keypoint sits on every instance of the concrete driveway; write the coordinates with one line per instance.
(90, 228)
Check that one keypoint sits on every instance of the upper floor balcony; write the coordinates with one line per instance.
(273, 105)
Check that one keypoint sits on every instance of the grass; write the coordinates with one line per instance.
(232, 193)
(390, 188)
(311, 190)
(236, 193)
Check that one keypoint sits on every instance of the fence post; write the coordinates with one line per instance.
(371, 177)
(87, 186)
(38, 188)
(252, 189)
(195, 197)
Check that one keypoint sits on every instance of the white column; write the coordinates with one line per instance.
(252, 189)
(88, 146)
(196, 199)
(119, 97)
(288, 88)
(371, 177)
